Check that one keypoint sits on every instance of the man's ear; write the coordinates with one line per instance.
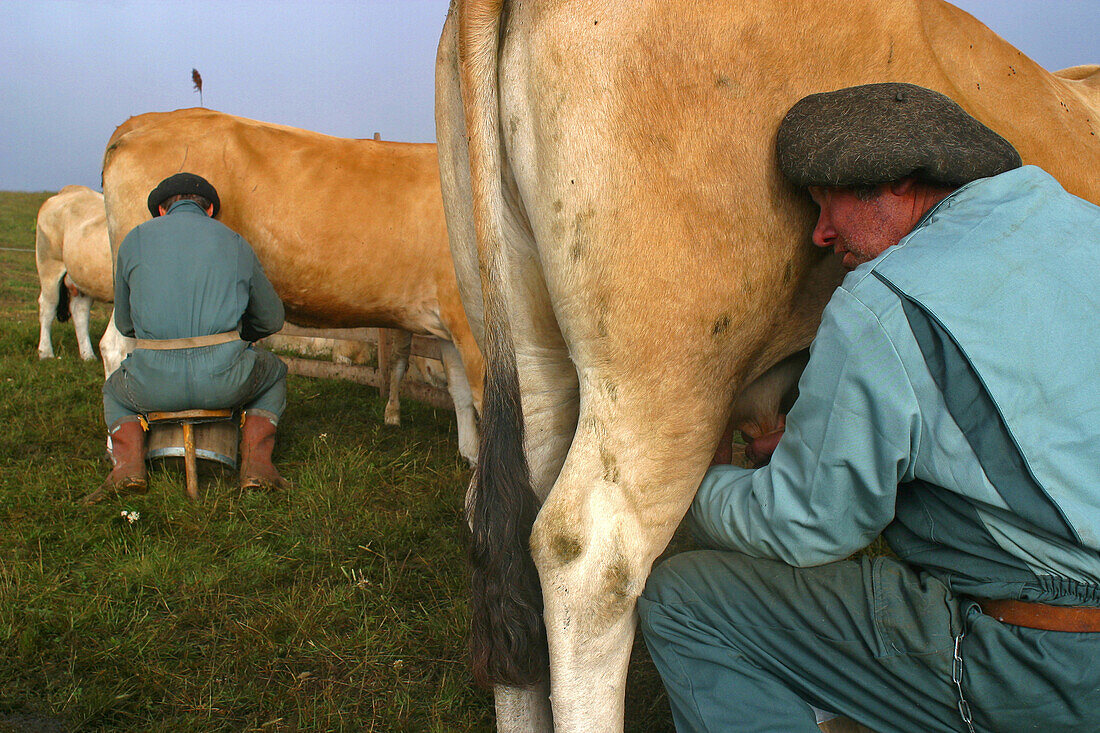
(162, 210)
(210, 211)
(902, 186)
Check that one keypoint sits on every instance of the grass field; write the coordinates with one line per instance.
(338, 606)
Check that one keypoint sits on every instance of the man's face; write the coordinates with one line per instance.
(858, 230)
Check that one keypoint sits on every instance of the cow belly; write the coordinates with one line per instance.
(92, 277)
(420, 319)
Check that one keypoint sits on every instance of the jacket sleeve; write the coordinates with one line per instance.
(830, 487)
(123, 320)
(264, 314)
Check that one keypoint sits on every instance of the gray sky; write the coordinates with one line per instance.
(73, 70)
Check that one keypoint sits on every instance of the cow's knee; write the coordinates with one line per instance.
(602, 570)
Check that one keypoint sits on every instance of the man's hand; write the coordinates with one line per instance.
(761, 439)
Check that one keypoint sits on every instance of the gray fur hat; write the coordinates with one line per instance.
(876, 133)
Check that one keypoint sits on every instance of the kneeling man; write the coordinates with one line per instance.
(950, 403)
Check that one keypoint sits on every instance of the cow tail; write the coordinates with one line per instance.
(62, 313)
(508, 638)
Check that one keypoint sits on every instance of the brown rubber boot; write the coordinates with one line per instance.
(257, 443)
(128, 456)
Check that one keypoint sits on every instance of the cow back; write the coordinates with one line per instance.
(350, 232)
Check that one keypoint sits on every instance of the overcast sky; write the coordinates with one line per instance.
(73, 70)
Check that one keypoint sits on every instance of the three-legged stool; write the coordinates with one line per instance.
(212, 435)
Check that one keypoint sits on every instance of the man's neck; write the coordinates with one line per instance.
(923, 198)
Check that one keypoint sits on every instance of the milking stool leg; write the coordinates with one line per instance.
(189, 467)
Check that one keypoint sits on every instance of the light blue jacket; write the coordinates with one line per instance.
(951, 402)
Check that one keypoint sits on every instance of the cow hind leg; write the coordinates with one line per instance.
(463, 398)
(524, 442)
(47, 307)
(81, 307)
(523, 709)
(588, 609)
(593, 557)
(626, 483)
(399, 364)
(53, 298)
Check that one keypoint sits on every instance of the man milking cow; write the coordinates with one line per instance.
(950, 404)
(193, 294)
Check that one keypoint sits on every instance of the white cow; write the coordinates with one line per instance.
(631, 260)
(73, 257)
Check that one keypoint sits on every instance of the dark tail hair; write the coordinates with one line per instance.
(507, 635)
(62, 313)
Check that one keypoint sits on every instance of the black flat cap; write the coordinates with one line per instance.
(876, 133)
(182, 183)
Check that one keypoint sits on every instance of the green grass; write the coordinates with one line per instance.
(337, 606)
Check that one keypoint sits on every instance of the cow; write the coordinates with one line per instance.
(73, 258)
(631, 261)
(350, 232)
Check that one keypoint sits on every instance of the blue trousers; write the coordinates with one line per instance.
(744, 644)
(252, 379)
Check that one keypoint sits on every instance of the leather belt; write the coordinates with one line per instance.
(190, 342)
(1042, 616)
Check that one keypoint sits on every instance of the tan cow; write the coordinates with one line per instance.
(73, 258)
(642, 262)
(350, 232)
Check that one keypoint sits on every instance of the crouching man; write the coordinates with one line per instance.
(193, 294)
(950, 403)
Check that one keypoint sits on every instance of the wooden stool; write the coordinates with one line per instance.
(212, 435)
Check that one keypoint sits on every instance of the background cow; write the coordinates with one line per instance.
(618, 205)
(73, 257)
(350, 232)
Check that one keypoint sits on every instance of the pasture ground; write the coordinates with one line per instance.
(337, 606)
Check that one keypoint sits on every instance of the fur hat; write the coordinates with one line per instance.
(876, 133)
(182, 183)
